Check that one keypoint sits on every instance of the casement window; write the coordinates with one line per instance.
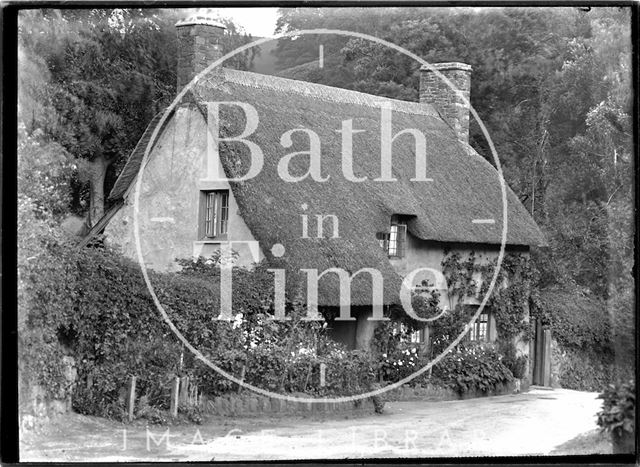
(397, 240)
(394, 242)
(214, 214)
(480, 330)
(419, 336)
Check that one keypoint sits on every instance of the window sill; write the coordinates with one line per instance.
(210, 241)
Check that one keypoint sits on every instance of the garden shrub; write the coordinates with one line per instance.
(403, 361)
(472, 367)
(46, 291)
(583, 369)
(618, 413)
(517, 364)
(98, 301)
(577, 319)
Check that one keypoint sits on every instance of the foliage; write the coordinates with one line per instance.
(553, 86)
(576, 319)
(104, 73)
(404, 360)
(45, 288)
(473, 368)
(92, 79)
(619, 408)
(516, 364)
(471, 277)
(584, 370)
(466, 277)
(446, 329)
(46, 291)
(45, 171)
(97, 303)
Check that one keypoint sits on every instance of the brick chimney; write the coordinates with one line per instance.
(451, 106)
(199, 38)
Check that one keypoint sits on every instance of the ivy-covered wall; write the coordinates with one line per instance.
(467, 275)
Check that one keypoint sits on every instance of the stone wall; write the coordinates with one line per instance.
(437, 393)
(36, 407)
(248, 403)
(252, 404)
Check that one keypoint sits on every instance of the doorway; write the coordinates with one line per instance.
(541, 355)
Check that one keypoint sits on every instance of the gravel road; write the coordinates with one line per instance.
(520, 424)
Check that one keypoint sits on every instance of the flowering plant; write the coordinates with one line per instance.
(404, 360)
(473, 367)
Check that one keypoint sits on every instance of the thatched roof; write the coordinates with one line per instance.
(465, 186)
(131, 168)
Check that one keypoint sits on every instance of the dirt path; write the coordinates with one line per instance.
(522, 424)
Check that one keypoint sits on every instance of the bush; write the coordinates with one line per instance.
(517, 364)
(584, 370)
(46, 291)
(619, 408)
(472, 368)
(402, 362)
(99, 302)
(576, 319)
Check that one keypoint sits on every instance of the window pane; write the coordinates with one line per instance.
(416, 337)
(483, 321)
(224, 212)
(216, 213)
(479, 330)
(401, 240)
(393, 240)
(214, 210)
(210, 215)
(397, 240)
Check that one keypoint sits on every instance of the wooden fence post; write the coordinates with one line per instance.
(174, 397)
(184, 390)
(242, 373)
(546, 378)
(131, 400)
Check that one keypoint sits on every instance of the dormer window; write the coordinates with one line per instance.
(214, 214)
(397, 240)
(394, 242)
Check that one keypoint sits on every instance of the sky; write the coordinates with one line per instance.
(259, 22)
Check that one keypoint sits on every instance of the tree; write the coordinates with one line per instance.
(103, 75)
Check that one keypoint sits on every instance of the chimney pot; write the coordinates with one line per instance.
(449, 102)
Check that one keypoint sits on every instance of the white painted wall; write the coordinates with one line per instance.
(169, 197)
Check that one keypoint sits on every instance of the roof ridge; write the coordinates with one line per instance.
(321, 91)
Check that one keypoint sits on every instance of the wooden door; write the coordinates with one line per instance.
(541, 356)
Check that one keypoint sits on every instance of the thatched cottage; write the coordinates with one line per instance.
(391, 226)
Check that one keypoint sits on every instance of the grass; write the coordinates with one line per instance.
(592, 442)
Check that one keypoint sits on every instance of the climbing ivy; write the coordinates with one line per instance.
(466, 276)
(509, 299)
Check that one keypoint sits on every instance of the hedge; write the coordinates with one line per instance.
(579, 322)
(95, 305)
